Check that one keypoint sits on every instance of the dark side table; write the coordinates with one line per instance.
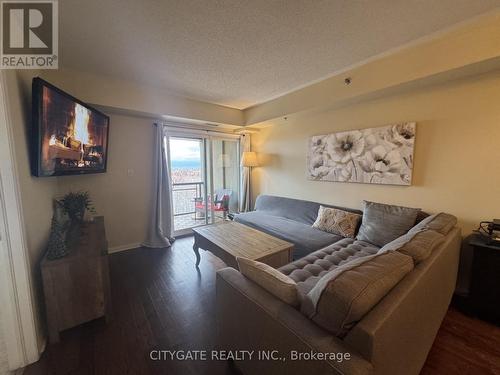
(485, 279)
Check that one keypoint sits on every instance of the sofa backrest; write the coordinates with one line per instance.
(295, 209)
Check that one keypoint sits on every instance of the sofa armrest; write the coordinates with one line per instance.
(397, 334)
(250, 318)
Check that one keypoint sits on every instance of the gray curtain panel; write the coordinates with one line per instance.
(161, 218)
(245, 176)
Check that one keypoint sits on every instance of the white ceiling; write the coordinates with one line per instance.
(242, 52)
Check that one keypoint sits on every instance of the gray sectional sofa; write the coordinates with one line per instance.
(291, 220)
(393, 336)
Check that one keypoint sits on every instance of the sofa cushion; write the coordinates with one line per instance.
(305, 238)
(421, 245)
(383, 223)
(417, 243)
(333, 220)
(424, 237)
(307, 271)
(441, 223)
(272, 280)
(344, 295)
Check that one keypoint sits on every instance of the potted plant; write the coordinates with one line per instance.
(76, 204)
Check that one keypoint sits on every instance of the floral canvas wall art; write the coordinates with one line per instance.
(381, 155)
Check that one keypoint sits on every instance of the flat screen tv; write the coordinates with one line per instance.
(69, 137)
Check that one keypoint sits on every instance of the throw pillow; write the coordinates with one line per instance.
(337, 221)
(346, 294)
(383, 223)
(272, 280)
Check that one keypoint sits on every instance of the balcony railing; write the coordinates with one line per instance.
(184, 195)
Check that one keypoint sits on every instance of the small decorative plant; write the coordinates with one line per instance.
(75, 205)
(65, 230)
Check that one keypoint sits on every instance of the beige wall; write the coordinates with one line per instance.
(456, 156)
(36, 193)
(123, 194)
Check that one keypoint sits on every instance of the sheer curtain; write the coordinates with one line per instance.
(245, 176)
(160, 232)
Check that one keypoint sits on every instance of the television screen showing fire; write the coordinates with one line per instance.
(73, 136)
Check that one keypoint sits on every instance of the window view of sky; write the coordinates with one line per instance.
(185, 153)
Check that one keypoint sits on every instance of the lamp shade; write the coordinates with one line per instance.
(249, 159)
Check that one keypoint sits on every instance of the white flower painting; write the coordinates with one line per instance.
(375, 156)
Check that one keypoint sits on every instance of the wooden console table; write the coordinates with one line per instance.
(76, 287)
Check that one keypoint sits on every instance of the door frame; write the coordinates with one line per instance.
(18, 313)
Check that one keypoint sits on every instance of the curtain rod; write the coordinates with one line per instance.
(193, 127)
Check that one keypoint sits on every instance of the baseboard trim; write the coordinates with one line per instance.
(117, 249)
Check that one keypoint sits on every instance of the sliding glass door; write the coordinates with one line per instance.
(187, 170)
(205, 177)
(225, 177)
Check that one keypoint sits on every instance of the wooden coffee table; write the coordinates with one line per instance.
(228, 240)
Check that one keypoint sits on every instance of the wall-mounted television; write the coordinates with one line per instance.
(68, 136)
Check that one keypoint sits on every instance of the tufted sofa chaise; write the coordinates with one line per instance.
(394, 337)
(308, 270)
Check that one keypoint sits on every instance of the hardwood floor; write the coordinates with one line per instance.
(161, 302)
(464, 345)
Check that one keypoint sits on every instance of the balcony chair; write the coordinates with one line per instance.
(220, 203)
